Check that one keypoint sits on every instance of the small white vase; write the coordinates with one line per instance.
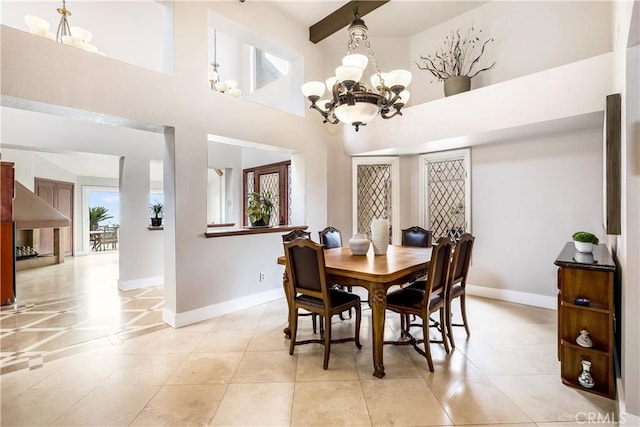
(585, 379)
(359, 244)
(584, 247)
(380, 236)
(583, 339)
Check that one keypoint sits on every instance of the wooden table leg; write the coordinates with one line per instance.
(287, 294)
(378, 301)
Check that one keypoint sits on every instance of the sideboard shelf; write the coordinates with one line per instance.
(593, 280)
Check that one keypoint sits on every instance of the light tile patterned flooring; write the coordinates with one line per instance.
(235, 370)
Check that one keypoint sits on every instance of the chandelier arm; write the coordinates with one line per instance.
(384, 113)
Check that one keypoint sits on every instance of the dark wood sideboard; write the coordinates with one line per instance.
(586, 277)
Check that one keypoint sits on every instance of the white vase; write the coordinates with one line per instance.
(585, 379)
(380, 236)
(583, 339)
(359, 244)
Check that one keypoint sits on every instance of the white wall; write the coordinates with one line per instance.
(528, 198)
(530, 36)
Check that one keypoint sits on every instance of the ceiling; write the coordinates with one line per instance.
(396, 18)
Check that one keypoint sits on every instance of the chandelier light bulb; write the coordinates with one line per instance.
(310, 89)
(404, 97)
(330, 82)
(356, 60)
(348, 73)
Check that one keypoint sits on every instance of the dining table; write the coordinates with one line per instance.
(375, 273)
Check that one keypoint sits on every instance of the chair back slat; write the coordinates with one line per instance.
(330, 237)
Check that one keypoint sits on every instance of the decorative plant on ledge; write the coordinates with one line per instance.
(157, 209)
(459, 56)
(259, 209)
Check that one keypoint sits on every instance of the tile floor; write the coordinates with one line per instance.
(235, 370)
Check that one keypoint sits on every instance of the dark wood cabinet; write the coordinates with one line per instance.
(7, 235)
(580, 278)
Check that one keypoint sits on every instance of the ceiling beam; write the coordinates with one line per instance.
(340, 18)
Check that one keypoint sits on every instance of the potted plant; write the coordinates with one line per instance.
(458, 60)
(259, 209)
(156, 209)
(584, 241)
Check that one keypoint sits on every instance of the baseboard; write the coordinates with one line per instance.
(177, 320)
(624, 419)
(525, 298)
(129, 285)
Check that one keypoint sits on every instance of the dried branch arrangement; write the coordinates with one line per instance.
(459, 55)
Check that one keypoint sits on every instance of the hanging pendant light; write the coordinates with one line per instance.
(230, 87)
(71, 36)
(352, 101)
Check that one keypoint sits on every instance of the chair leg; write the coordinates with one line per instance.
(327, 345)
(449, 316)
(443, 329)
(314, 321)
(293, 330)
(358, 320)
(463, 309)
(427, 344)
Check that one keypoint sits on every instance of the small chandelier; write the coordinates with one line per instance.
(230, 87)
(63, 26)
(71, 36)
(352, 101)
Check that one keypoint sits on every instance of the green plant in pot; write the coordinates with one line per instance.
(157, 209)
(584, 241)
(259, 208)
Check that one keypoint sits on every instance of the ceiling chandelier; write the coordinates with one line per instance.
(72, 36)
(230, 87)
(352, 101)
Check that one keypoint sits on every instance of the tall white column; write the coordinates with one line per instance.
(141, 250)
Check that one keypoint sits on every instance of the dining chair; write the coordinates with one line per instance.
(408, 301)
(418, 237)
(306, 265)
(301, 234)
(458, 282)
(331, 238)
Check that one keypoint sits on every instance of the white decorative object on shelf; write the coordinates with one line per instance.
(584, 247)
(585, 379)
(583, 339)
(380, 236)
(359, 244)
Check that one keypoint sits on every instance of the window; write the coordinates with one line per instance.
(376, 184)
(272, 179)
(446, 189)
(266, 68)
